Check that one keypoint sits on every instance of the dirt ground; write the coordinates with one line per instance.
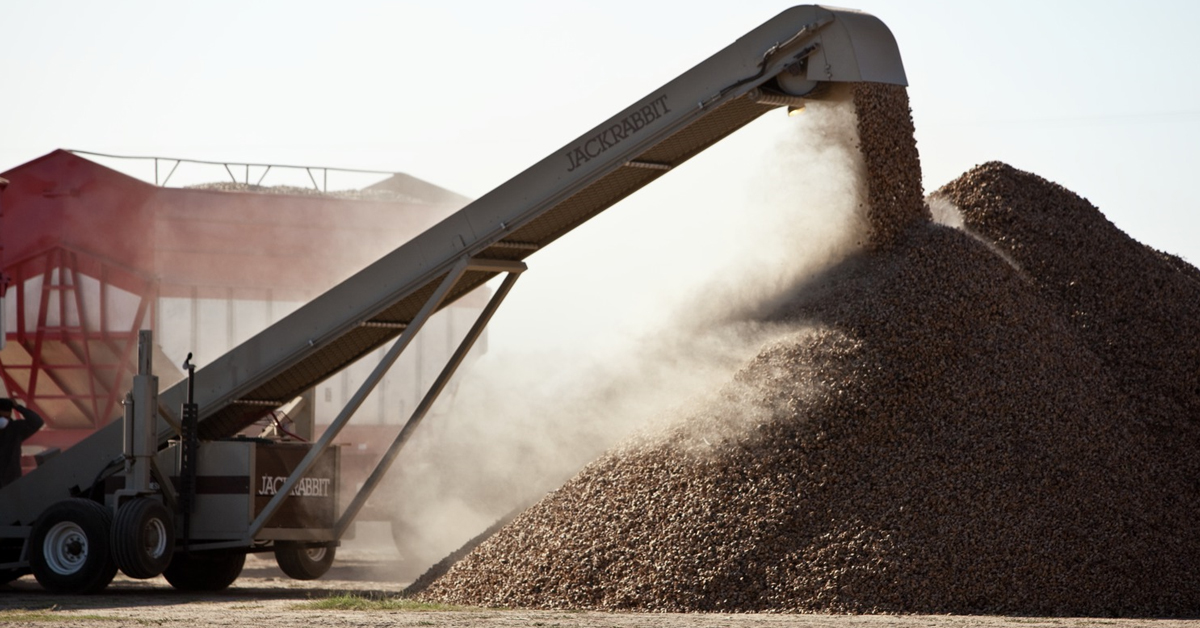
(265, 598)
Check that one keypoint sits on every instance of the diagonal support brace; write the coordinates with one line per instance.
(381, 469)
(359, 397)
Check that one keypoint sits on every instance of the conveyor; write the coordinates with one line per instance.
(786, 60)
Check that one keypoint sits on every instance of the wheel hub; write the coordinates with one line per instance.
(154, 538)
(65, 548)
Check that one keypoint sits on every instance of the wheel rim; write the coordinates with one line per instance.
(316, 554)
(154, 538)
(65, 548)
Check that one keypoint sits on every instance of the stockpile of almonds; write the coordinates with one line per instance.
(951, 423)
(1134, 306)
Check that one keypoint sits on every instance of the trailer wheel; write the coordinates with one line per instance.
(204, 571)
(143, 538)
(303, 563)
(69, 547)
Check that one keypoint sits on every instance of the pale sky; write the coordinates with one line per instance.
(1099, 96)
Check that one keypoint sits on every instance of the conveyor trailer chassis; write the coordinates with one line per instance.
(148, 514)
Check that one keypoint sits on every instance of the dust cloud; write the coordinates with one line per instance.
(945, 212)
(522, 424)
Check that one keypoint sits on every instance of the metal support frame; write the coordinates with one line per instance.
(365, 389)
(229, 165)
(385, 463)
(60, 270)
(410, 330)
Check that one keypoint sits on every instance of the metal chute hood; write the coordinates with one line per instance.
(856, 47)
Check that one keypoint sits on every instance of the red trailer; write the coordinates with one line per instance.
(91, 255)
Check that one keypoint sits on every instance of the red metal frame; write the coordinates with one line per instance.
(66, 218)
(102, 354)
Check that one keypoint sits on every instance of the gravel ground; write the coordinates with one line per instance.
(264, 598)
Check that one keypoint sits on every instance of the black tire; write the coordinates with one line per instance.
(304, 563)
(69, 548)
(204, 571)
(143, 538)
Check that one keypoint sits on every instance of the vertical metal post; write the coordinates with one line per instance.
(381, 469)
(360, 395)
(140, 421)
(129, 423)
(189, 451)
